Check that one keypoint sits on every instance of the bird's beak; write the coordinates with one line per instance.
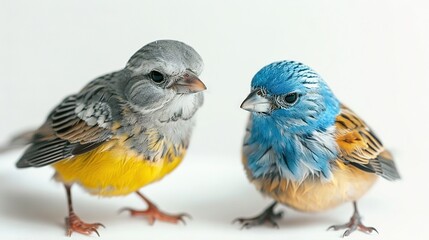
(255, 102)
(189, 83)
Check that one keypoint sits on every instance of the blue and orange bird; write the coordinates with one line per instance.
(305, 149)
(124, 130)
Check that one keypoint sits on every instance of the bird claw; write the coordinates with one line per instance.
(337, 227)
(182, 217)
(153, 214)
(372, 229)
(95, 230)
(75, 224)
(256, 221)
(268, 215)
(353, 225)
(125, 209)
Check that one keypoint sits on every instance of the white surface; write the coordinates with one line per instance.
(373, 54)
(214, 191)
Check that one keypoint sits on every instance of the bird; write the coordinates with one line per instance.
(306, 150)
(123, 130)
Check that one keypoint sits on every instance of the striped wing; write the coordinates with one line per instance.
(360, 147)
(78, 125)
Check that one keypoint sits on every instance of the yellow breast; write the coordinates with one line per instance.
(314, 194)
(113, 169)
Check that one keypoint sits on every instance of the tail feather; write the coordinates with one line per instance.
(388, 167)
(18, 141)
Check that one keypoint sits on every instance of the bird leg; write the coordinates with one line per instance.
(152, 213)
(354, 224)
(268, 215)
(74, 223)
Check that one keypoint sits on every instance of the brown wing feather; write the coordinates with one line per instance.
(360, 147)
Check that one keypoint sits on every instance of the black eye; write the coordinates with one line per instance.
(286, 101)
(291, 98)
(156, 76)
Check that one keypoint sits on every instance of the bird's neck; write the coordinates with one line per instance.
(273, 151)
(153, 134)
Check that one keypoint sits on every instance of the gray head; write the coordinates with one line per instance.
(162, 72)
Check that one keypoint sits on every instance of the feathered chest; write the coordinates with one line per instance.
(273, 152)
(152, 137)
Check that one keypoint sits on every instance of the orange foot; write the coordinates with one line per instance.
(153, 213)
(74, 224)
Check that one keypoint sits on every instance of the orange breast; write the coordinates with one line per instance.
(315, 194)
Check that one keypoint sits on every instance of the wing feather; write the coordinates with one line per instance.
(360, 147)
(79, 124)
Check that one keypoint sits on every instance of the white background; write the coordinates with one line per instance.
(373, 54)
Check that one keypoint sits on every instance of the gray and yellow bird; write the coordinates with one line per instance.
(123, 130)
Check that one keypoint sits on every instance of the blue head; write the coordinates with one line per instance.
(293, 96)
(293, 113)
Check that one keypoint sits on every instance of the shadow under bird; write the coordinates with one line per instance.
(123, 130)
(305, 149)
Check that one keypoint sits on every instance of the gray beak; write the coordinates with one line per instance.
(255, 102)
(189, 83)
